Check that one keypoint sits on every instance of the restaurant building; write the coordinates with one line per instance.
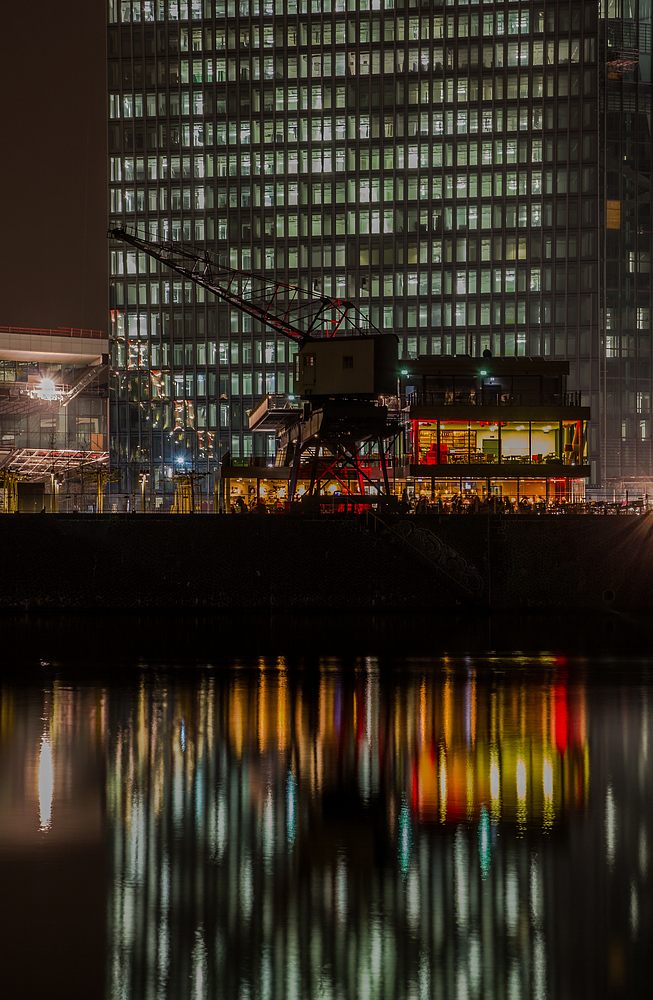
(493, 426)
(466, 427)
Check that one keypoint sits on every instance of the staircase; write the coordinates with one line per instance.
(462, 575)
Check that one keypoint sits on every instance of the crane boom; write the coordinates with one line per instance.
(288, 309)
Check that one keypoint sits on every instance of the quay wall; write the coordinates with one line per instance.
(302, 562)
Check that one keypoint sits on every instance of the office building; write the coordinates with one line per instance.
(474, 176)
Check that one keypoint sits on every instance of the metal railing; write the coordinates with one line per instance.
(480, 397)
(86, 503)
(60, 331)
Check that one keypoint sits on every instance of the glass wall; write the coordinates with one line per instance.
(626, 239)
(526, 442)
(81, 425)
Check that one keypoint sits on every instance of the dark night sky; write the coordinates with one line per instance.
(53, 215)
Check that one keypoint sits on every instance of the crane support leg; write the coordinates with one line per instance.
(316, 459)
(357, 466)
(384, 466)
(294, 475)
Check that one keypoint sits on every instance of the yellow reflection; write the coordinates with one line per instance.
(262, 708)
(472, 709)
(238, 716)
(46, 783)
(458, 739)
(447, 709)
(422, 712)
(547, 779)
(470, 788)
(521, 792)
(282, 705)
(548, 810)
(443, 789)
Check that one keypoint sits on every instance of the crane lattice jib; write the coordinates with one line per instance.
(287, 309)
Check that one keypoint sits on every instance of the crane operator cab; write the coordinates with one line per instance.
(360, 367)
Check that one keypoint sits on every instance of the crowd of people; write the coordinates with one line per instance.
(460, 504)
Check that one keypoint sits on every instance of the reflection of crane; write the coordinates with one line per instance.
(340, 366)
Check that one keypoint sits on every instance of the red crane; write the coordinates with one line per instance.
(343, 415)
(296, 312)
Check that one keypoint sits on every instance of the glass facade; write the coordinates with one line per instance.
(626, 287)
(80, 425)
(437, 163)
(469, 442)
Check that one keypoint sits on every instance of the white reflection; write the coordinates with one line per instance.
(610, 825)
(376, 950)
(341, 890)
(290, 809)
(364, 773)
(634, 909)
(46, 783)
(643, 851)
(268, 828)
(221, 826)
(512, 900)
(514, 982)
(462, 986)
(246, 886)
(475, 967)
(199, 974)
(644, 750)
(266, 975)
(539, 968)
(413, 900)
(424, 977)
(521, 779)
(461, 875)
(293, 970)
(537, 902)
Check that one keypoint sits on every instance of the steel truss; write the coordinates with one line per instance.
(331, 439)
(36, 463)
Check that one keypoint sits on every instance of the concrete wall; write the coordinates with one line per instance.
(284, 562)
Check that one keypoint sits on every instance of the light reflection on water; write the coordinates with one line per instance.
(438, 828)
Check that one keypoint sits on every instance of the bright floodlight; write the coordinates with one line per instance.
(46, 389)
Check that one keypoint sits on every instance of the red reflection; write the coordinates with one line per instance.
(560, 719)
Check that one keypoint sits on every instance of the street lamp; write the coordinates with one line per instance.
(143, 478)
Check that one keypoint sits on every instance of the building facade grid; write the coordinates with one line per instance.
(443, 165)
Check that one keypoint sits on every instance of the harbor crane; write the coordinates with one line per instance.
(341, 371)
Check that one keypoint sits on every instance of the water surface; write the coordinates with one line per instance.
(331, 808)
